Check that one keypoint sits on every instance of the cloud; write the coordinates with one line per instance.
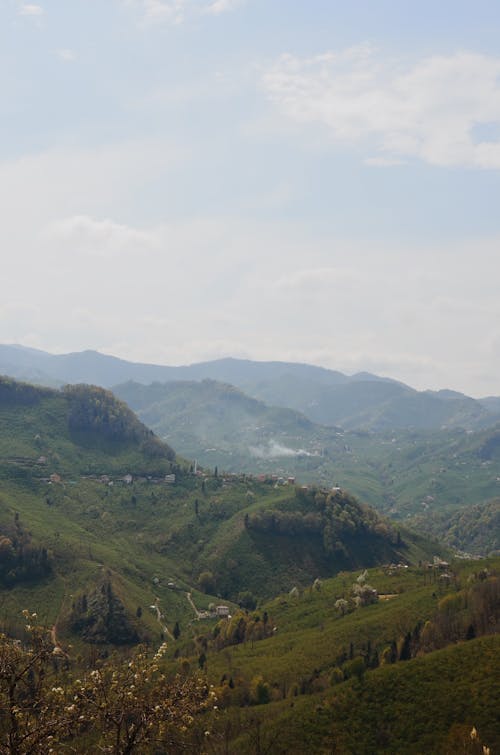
(429, 111)
(98, 237)
(81, 269)
(171, 11)
(177, 11)
(66, 54)
(311, 280)
(30, 9)
(223, 6)
(384, 162)
(90, 181)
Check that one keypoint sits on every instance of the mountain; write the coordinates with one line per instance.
(375, 405)
(219, 425)
(425, 477)
(98, 516)
(101, 369)
(492, 403)
(79, 367)
(77, 430)
(362, 401)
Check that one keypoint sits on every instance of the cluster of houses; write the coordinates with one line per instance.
(219, 612)
(276, 479)
(128, 479)
(392, 569)
(105, 479)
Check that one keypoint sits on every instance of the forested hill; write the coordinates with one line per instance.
(75, 429)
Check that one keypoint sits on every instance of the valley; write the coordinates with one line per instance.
(276, 589)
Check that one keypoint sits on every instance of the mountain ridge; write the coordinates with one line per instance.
(361, 401)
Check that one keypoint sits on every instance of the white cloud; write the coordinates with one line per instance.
(311, 280)
(66, 54)
(383, 162)
(98, 237)
(177, 11)
(171, 11)
(429, 111)
(63, 182)
(30, 9)
(222, 6)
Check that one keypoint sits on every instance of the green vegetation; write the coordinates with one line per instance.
(78, 430)
(475, 529)
(20, 560)
(423, 477)
(121, 706)
(413, 671)
(320, 625)
(91, 531)
(420, 457)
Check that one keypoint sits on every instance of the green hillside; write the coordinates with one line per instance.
(79, 429)
(475, 529)
(114, 541)
(412, 672)
(91, 528)
(420, 477)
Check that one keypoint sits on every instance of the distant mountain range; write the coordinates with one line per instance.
(362, 401)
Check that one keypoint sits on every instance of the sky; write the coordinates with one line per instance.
(300, 180)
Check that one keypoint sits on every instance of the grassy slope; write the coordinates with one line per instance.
(408, 707)
(145, 530)
(404, 709)
(311, 634)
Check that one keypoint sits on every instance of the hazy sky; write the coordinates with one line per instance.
(307, 180)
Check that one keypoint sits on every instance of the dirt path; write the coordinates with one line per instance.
(160, 618)
(190, 601)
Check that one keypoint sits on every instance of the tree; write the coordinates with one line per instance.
(176, 631)
(260, 693)
(246, 599)
(206, 581)
(342, 606)
(121, 707)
